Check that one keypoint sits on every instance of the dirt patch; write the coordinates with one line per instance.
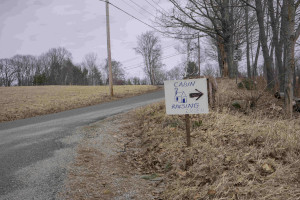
(101, 169)
(23, 102)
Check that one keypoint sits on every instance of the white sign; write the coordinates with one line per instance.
(186, 96)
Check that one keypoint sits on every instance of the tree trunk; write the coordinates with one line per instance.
(223, 59)
(264, 44)
(290, 58)
(276, 42)
(247, 41)
(256, 58)
(220, 60)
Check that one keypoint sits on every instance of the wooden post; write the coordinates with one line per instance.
(297, 87)
(111, 91)
(188, 130)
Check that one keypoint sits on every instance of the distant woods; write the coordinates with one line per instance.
(55, 67)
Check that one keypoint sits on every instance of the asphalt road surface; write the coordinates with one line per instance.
(34, 152)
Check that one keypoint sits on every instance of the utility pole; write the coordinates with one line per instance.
(199, 52)
(111, 92)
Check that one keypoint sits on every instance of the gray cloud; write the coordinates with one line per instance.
(34, 26)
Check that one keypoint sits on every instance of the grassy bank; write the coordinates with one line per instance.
(24, 102)
(236, 153)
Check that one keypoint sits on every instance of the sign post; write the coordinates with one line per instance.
(188, 130)
(185, 97)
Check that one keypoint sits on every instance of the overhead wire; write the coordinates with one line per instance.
(167, 34)
(159, 6)
(158, 60)
(132, 7)
(132, 16)
(140, 64)
(142, 8)
(137, 57)
(151, 5)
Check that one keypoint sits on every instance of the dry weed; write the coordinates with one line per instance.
(233, 156)
(259, 103)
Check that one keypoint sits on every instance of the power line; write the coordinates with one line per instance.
(132, 16)
(159, 6)
(173, 45)
(163, 33)
(142, 8)
(134, 8)
(139, 65)
(151, 5)
(128, 60)
(137, 57)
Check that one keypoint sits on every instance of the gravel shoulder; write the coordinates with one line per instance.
(101, 169)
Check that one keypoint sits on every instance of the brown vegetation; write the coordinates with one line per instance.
(248, 152)
(24, 102)
(237, 153)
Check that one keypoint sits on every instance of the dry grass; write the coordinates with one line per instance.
(234, 155)
(24, 102)
(259, 103)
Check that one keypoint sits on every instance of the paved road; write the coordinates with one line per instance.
(34, 152)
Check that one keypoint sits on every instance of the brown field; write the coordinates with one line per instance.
(23, 102)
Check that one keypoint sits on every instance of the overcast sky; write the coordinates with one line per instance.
(35, 26)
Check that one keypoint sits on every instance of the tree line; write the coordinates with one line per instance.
(55, 67)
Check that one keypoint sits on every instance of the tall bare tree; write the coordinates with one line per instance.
(175, 73)
(292, 35)
(117, 71)
(221, 20)
(90, 62)
(264, 43)
(8, 72)
(247, 41)
(25, 66)
(148, 45)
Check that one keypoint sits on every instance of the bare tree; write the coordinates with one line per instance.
(7, 72)
(247, 41)
(175, 73)
(117, 71)
(148, 45)
(53, 62)
(25, 66)
(292, 35)
(221, 20)
(264, 43)
(90, 62)
(209, 70)
(136, 80)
